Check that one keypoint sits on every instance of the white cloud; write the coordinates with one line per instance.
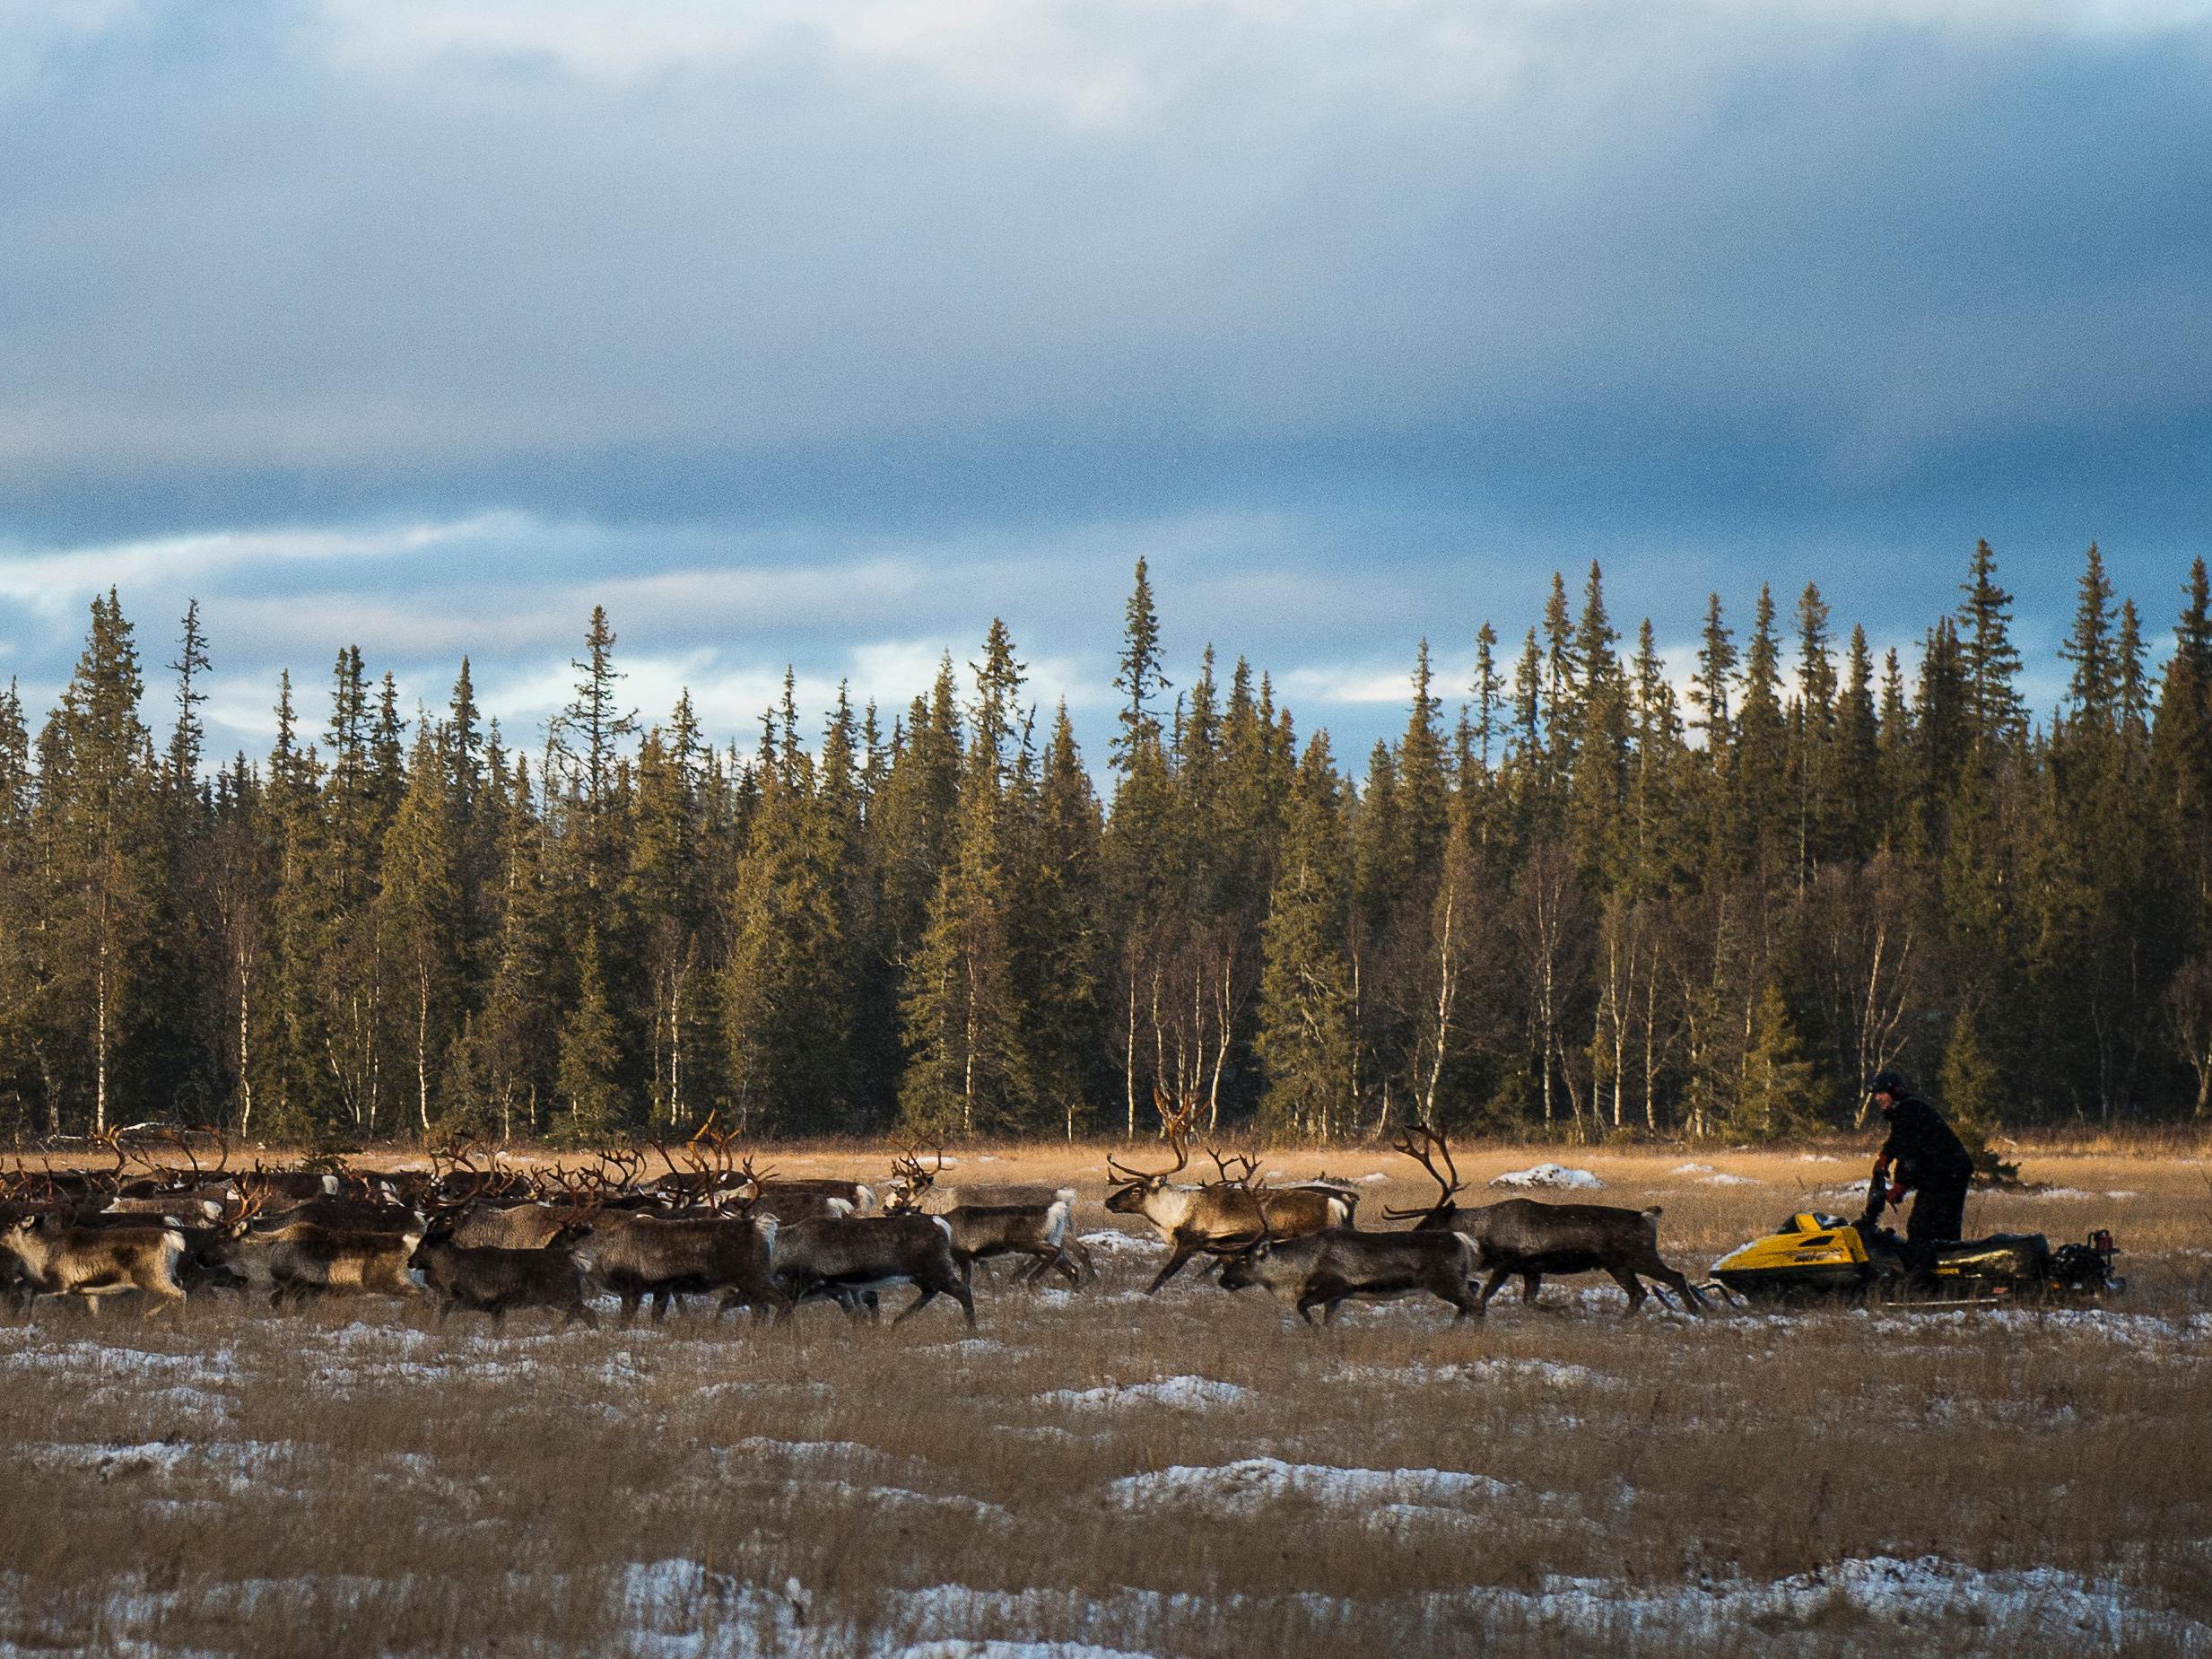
(1339, 685)
(62, 578)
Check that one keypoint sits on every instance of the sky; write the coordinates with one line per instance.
(819, 332)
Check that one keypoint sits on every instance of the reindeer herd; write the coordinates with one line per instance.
(469, 1233)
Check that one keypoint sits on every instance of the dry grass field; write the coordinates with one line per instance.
(1093, 1473)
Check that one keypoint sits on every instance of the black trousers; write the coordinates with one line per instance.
(1938, 1212)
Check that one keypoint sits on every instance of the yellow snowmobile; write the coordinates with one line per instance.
(1820, 1258)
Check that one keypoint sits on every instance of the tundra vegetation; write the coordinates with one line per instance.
(1189, 1472)
(1570, 901)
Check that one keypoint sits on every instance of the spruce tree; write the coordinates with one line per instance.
(1861, 784)
(1306, 1038)
(96, 793)
(786, 1015)
(516, 1033)
(1489, 689)
(418, 918)
(24, 968)
(1139, 680)
(1992, 663)
(1762, 738)
(1600, 786)
(1814, 786)
(967, 1059)
(591, 1099)
(1055, 933)
(1777, 1095)
(1972, 1090)
(2093, 687)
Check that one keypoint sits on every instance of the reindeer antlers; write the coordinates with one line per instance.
(1425, 1151)
(1222, 1162)
(1175, 1124)
(619, 1166)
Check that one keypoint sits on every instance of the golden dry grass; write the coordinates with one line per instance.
(353, 1480)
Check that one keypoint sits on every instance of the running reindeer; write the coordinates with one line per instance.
(1041, 1231)
(1218, 1220)
(1521, 1237)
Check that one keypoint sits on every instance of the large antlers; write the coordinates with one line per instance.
(619, 1166)
(1248, 1167)
(1175, 1121)
(1424, 1143)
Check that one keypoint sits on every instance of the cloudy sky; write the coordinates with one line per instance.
(822, 331)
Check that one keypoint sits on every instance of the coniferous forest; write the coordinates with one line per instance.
(1569, 899)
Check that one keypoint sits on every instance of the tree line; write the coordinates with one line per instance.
(1571, 900)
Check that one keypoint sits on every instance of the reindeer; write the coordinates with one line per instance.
(493, 1280)
(1325, 1269)
(857, 1197)
(983, 1232)
(58, 1259)
(205, 1263)
(1525, 1238)
(569, 1203)
(301, 1259)
(177, 1204)
(851, 1259)
(456, 1177)
(346, 1211)
(290, 1186)
(637, 1256)
(1213, 1220)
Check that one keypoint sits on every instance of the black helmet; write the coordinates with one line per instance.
(1890, 1083)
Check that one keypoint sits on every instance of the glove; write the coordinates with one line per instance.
(1897, 1190)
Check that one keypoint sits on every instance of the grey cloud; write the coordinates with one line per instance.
(822, 333)
(245, 252)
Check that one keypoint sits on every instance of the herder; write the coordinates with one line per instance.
(1922, 1154)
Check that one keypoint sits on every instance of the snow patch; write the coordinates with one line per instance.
(1113, 1242)
(2043, 1603)
(1726, 1180)
(1184, 1393)
(1257, 1483)
(1693, 1169)
(1551, 1373)
(238, 1466)
(1547, 1175)
(955, 1649)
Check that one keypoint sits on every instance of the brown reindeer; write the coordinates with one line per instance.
(1219, 1219)
(1041, 1231)
(58, 1259)
(496, 1281)
(1521, 1237)
(1325, 1269)
(637, 1256)
(301, 1260)
(851, 1259)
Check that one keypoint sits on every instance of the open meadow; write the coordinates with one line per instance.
(1094, 1473)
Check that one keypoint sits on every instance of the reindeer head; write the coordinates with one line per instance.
(1133, 1186)
(910, 1184)
(1249, 1266)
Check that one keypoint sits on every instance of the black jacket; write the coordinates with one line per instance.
(1921, 1147)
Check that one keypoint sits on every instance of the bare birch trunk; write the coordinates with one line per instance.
(422, 1044)
(1446, 989)
(245, 1055)
(1128, 1054)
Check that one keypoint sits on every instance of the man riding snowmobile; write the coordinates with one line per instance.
(1923, 1155)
